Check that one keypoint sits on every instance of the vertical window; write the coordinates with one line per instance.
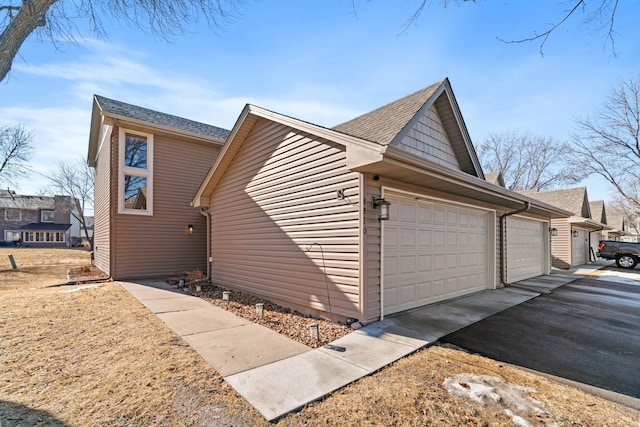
(48, 216)
(136, 173)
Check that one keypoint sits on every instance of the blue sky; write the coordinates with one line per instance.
(324, 62)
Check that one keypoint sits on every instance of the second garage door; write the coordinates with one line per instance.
(527, 249)
(434, 251)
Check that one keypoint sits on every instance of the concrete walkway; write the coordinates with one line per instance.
(278, 375)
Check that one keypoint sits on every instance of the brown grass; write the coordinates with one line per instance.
(97, 357)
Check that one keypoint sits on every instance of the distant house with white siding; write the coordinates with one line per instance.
(36, 221)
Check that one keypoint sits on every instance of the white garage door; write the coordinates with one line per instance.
(579, 247)
(526, 249)
(434, 252)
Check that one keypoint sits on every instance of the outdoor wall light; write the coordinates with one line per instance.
(553, 231)
(575, 233)
(383, 205)
(190, 228)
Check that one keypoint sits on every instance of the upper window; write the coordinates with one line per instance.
(12, 214)
(48, 216)
(136, 173)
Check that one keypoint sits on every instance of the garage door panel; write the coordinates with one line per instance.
(526, 252)
(450, 250)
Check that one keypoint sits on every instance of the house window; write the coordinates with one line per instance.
(44, 236)
(136, 173)
(11, 236)
(12, 214)
(48, 216)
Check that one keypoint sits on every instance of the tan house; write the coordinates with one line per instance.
(575, 239)
(298, 211)
(147, 166)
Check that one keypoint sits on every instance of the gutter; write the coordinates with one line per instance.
(205, 212)
(503, 250)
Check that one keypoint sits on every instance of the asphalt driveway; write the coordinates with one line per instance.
(586, 331)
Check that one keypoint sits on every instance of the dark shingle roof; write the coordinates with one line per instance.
(132, 111)
(45, 226)
(17, 201)
(383, 124)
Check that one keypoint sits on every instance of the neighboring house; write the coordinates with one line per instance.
(576, 238)
(295, 209)
(495, 178)
(76, 232)
(626, 228)
(147, 166)
(617, 223)
(41, 221)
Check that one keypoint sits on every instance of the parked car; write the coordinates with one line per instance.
(626, 254)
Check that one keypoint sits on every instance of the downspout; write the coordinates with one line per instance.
(205, 212)
(503, 249)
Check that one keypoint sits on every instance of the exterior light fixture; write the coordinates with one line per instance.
(553, 231)
(575, 233)
(383, 205)
(190, 228)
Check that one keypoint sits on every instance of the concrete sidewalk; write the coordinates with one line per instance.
(278, 375)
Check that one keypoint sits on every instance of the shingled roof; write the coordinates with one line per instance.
(118, 108)
(571, 199)
(383, 124)
(597, 211)
(389, 124)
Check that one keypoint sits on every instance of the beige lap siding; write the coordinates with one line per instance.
(276, 199)
(159, 245)
(561, 244)
(103, 185)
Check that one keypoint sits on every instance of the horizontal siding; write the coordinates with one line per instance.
(159, 245)
(372, 241)
(276, 199)
(102, 209)
(561, 244)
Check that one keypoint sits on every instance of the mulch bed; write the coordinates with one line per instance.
(283, 320)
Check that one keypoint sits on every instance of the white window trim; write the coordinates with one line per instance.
(6, 232)
(47, 211)
(9, 219)
(127, 170)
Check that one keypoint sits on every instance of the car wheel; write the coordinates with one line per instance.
(626, 261)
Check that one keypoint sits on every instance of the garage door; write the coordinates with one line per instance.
(526, 249)
(579, 248)
(433, 252)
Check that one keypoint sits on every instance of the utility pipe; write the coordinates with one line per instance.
(205, 212)
(503, 242)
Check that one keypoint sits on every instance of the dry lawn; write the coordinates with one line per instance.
(97, 357)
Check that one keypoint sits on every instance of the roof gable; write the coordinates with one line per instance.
(598, 211)
(106, 110)
(393, 123)
(495, 178)
(574, 200)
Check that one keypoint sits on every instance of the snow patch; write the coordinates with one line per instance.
(627, 278)
(80, 288)
(524, 410)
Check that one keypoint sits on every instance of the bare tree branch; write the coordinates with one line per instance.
(526, 161)
(15, 151)
(75, 179)
(609, 144)
(55, 20)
